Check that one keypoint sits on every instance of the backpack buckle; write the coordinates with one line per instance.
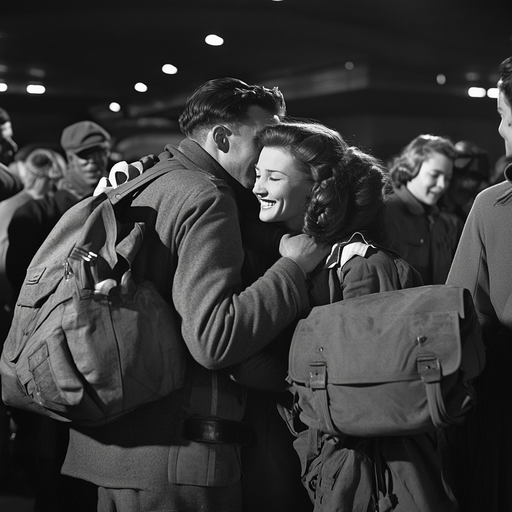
(429, 368)
(318, 375)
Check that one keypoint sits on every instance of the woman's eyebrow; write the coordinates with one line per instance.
(271, 170)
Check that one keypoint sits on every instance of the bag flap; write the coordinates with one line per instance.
(378, 337)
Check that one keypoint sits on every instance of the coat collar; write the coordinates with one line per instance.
(341, 252)
(200, 160)
(414, 206)
(508, 173)
(506, 196)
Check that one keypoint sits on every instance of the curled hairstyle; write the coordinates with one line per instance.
(407, 164)
(227, 100)
(44, 164)
(505, 81)
(347, 195)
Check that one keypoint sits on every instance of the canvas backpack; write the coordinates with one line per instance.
(391, 363)
(89, 341)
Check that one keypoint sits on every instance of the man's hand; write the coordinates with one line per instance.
(304, 250)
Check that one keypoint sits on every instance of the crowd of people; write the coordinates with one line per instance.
(265, 217)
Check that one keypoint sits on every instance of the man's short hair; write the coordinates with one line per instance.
(227, 100)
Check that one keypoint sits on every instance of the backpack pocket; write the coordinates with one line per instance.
(340, 480)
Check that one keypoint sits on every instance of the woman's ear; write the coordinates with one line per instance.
(221, 136)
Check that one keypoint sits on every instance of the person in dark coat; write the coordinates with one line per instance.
(308, 180)
(423, 235)
(183, 451)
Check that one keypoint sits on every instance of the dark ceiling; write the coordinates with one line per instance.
(88, 54)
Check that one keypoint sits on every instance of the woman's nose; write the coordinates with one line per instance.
(258, 188)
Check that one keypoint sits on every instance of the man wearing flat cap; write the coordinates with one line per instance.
(87, 147)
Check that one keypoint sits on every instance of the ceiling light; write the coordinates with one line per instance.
(169, 69)
(36, 89)
(477, 92)
(115, 107)
(441, 79)
(3, 87)
(349, 65)
(214, 40)
(492, 92)
(140, 87)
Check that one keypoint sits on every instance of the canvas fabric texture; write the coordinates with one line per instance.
(89, 341)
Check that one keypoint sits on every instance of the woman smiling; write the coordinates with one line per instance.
(425, 236)
(308, 179)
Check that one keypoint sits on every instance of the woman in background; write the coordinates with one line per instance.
(425, 236)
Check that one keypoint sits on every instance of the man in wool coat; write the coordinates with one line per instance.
(183, 451)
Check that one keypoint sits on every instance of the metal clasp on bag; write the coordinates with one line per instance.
(318, 375)
(429, 368)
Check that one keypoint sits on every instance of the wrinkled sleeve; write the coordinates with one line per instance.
(222, 323)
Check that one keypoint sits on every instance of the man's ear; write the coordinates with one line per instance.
(221, 136)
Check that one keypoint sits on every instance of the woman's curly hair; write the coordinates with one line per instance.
(349, 184)
(407, 164)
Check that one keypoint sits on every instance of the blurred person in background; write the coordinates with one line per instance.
(422, 234)
(481, 449)
(41, 442)
(7, 145)
(10, 183)
(471, 174)
(40, 173)
(87, 147)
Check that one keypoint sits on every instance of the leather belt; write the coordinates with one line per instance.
(217, 431)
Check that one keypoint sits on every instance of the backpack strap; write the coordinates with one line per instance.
(167, 161)
(130, 187)
(384, 498)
